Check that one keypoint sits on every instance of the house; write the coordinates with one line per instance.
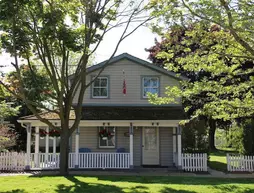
(119, 127)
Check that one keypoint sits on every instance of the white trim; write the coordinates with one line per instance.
(47, 140)
(116, 123)
(107, 87)
(143, 87)
(47, 145)
(157, 155)
(76, 148)
(28, 146)
(107, 147)
(54, 145)
(131, 130)
(37, 144)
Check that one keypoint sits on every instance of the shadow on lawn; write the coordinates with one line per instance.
(176, 180)
(80, 186)
(171, 190)
(16, 191)
(222, 185)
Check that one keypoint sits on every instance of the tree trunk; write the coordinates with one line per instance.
(212, 128)
(64, 152)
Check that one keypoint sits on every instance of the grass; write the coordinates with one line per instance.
(118, 184)
(218, 160)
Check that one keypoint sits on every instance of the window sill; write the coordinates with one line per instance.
(104, 147)
(100, 97)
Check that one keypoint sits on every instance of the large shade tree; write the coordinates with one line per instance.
(174, 42)
(229, 61)
(50, 31)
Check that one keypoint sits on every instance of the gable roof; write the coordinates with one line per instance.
(137, 61)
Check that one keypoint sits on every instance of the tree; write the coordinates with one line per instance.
(38, 85)
(234, 16)
(7, 138)
(175, 43)
(50, 31)
(229, 62)
(7, 135)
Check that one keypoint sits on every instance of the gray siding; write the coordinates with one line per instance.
(166, 146)
(89, 139)
(133, 74)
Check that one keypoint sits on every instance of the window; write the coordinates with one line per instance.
(150, 85)
(100, 88)
(107, 137)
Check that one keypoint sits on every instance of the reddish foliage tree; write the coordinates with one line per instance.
(7, 138)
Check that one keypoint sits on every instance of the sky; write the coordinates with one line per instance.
(134, 45)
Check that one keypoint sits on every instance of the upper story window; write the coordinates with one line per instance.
(150, 85)
(100, 88)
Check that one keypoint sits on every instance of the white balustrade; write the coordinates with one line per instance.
(100, 160)
(16, 161)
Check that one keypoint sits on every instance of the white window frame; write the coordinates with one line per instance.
(107, 147)
(143, 85)
(99, 87)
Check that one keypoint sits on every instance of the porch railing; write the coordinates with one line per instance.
(100, 160)
(85, 161)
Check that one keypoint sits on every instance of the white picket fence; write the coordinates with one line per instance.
(44, 161)
(100, 160)
(236, 163)
(12, 161)
(194, 162)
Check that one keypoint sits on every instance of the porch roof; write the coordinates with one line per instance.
(121, 113)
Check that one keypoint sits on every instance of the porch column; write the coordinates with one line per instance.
(47, 145)
(179, 148)
(174, 145)
(28, 147)
(36, 148)
(131, 145)
(54, 145)
(76, 148)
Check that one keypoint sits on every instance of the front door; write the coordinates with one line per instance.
(150, 146)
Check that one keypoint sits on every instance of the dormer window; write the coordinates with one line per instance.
(150, 85)
(100, 88)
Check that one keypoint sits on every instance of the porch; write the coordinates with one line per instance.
(164, 138)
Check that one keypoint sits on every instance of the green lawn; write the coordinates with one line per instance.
(104, 184)
(218, 160)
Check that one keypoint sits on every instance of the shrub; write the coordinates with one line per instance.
(195, 137)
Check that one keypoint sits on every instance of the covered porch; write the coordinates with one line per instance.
(86, 153)
(139, 137)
